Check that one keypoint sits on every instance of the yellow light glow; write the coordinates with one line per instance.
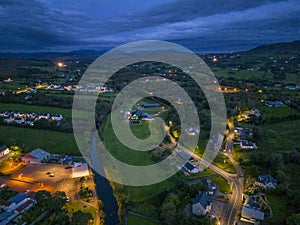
(60, 64)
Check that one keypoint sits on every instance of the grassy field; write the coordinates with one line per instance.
(36, 109)
(281, 136)
(124, 153)
(76, 206)
(51, 141)
(276, 112)
(135, 220)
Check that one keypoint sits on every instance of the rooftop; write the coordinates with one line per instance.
(2, 148)
(17, 198)
(202, 198)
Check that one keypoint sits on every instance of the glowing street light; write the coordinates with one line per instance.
(60, 64)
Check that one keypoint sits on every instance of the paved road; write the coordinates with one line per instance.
(235, 180)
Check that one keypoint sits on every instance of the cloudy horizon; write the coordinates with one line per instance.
(214, 26)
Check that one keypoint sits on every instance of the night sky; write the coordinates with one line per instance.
(203, 26)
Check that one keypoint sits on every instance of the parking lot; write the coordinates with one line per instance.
(51, 177)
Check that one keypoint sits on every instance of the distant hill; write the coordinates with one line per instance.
(284, 48)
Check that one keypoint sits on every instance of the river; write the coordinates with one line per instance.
(105, 193)
(103, 188)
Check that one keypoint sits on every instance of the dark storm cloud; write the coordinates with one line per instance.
(64, 25)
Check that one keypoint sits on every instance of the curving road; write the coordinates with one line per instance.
(235, 180)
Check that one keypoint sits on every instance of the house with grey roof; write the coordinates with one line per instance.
(191, 168)
(201, 204)
(16, 201)
(251, 211)
(266, 181)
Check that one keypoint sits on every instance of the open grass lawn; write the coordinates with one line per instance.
(223, 162)
(51, 141)
(124, 153)
(222, 183)
(143, 193)
(276, 112)
(281, 136)
(141, 131)
(279, 208)
(135, 220)
(75, 206)
(36, 109)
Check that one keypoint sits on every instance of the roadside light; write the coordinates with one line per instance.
(60, 64)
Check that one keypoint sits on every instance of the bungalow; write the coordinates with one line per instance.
(8, 120)
(201, 205)
(57, 117)
(44, 116)
(266, 182)
(191, 168)
(4, 150)
(247, 145)
(251, 211)
(274, 104)
(251, 215)
(36, 156)
(19, 120)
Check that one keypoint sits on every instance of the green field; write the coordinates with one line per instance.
(51, 141)
(135, 220)
(283, 136)
(36, 109)
(276, 112)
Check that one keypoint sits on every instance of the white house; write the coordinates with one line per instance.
(4, 150)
